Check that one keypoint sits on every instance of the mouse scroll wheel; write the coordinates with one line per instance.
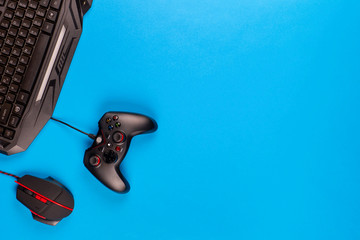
(27, 191)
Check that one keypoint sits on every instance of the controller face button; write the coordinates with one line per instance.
(115, 117)
(117, 124)
(94, 161)
(110, 127)
(108, 120)
(110, 156)
(118, 137)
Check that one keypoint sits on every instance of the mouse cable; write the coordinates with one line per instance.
(11, 175)
(92, 136)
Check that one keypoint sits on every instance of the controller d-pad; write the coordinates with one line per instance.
(110, 156)
(118, 137)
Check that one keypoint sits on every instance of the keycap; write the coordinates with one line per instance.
(13, 122)
(5, 112)
(48, 27)
(23, 97)
(55, 4)
(9, 134)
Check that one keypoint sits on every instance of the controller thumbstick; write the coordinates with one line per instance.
(119, 137)
(94, 161)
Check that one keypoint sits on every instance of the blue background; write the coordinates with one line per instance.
(258, 110)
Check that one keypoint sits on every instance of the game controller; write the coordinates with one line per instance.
(103, 158)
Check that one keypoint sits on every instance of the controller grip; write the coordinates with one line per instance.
(109, 175)
(135, 124)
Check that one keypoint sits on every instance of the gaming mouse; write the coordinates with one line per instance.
(48, 200)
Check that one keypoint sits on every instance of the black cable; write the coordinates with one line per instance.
(9, 174)
(92, 136)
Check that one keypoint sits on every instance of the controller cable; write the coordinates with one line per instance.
(92, 136)
(9, 174)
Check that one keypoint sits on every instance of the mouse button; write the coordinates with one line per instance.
(30, 201)
(40, 186)
(55, 212)
(66, 199)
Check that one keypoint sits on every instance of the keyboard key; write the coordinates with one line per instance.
(10, 41)
(16, 51)
(52, 15)
(2, 33)
(38, 22)
(33, 4)
(30, 14)
(48, 27)
(9, 71)
(10, 97)
(9, 14)
(44, 3)
(12, 5)
(16, 22)
(23, 33)
(6, 80)
(30, 41)
(24, 59)
(23, 98)
(27, 50)
(41, 12)
(13, 88)
(14, 121)
(55, 4)
(9, 134)
(6, 51)
(18, 109)
(35, 63)
(26, 23)
(17, 78)
(19, 42)
(20, 69)
(3, 60)
(13, 32)
(20, 13)
(5, 23)
(34, 31)
(13, 61)
(3, 90)
(23, 3)
(5, 112)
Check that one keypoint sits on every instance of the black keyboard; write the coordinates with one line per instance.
(27, 29)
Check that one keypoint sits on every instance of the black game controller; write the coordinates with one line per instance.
(111, 144)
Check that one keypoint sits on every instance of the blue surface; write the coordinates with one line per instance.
(258, 110)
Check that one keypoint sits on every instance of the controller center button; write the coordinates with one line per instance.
(94, 161)
(118, 137)
(98, 140)
(110, 156)
(118, 148)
